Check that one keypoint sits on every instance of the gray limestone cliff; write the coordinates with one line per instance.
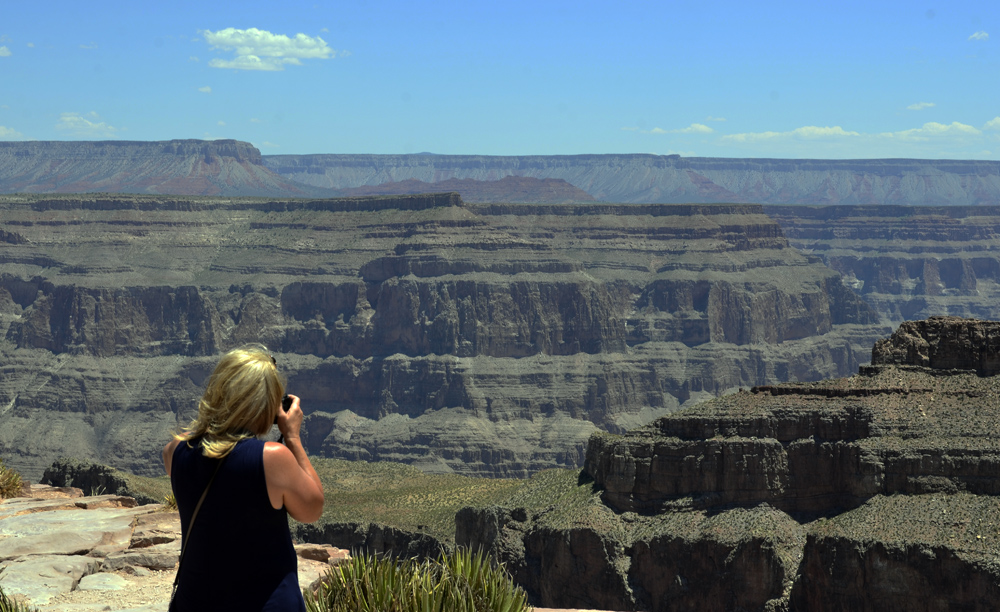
(907, 262)
(483, 339)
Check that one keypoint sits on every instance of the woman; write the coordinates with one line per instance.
(239, 553)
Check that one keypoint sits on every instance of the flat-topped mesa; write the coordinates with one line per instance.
(190, 167)
(817, 447)
(943, 343)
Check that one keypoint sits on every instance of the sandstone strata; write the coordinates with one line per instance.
(907, 262)
(872, 492)
(485, 339)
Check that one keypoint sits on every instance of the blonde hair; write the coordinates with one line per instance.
(240, 401)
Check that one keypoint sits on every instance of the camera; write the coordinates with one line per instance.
(286, 403)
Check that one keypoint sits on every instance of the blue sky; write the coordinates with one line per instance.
(717, 79)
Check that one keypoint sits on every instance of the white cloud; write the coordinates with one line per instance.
(31, 45)
(809, 132)
(270, 144)
(221, 123)
(694, 128)
(193, 58)
(261, 50)
(78, 125)
(205, 89)
(992, 124)
(90, 46)
(255, 120)
(7, 133)
(711, 118)
(933, 130)
(980, 35)
(630, 129)
(920, 106)
(5, 52)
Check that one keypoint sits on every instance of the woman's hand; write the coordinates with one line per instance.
(290, 421)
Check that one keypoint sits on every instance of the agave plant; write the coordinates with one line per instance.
(10, 605)
(10, 481)
(460, 582)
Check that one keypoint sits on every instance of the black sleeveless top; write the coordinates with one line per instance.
(241, 556)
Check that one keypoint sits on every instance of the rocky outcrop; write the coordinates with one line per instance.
(907, 263)
(94, 478)
(372, 539)
(676, 179)
(866, 493)
(185, 167)
(484, 339)
(943, 343)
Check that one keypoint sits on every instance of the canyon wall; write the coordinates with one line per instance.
(485, 339)
(907, 262)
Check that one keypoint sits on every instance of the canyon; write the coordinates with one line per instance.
(486, 339)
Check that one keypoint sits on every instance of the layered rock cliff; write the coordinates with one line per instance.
(485, 339)
(186, 167)
(906, 262)
(675, 179)
(872, 492)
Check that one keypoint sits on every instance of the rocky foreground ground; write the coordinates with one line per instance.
(61, 551)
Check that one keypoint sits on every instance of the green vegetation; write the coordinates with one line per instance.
(402, 496)
(460, 582)
(8, 604)
(10, 481)
(169, 503)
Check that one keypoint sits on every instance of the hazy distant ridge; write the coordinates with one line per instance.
(235, 168)
(675, 179)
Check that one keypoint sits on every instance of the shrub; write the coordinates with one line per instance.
(10, 481)
(460, 582)
(8, 604)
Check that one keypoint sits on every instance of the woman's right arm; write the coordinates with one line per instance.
(291, 480)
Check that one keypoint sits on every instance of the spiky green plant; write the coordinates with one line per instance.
(169, 503)
(460, 582)
(8, 604)
(10, 481)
